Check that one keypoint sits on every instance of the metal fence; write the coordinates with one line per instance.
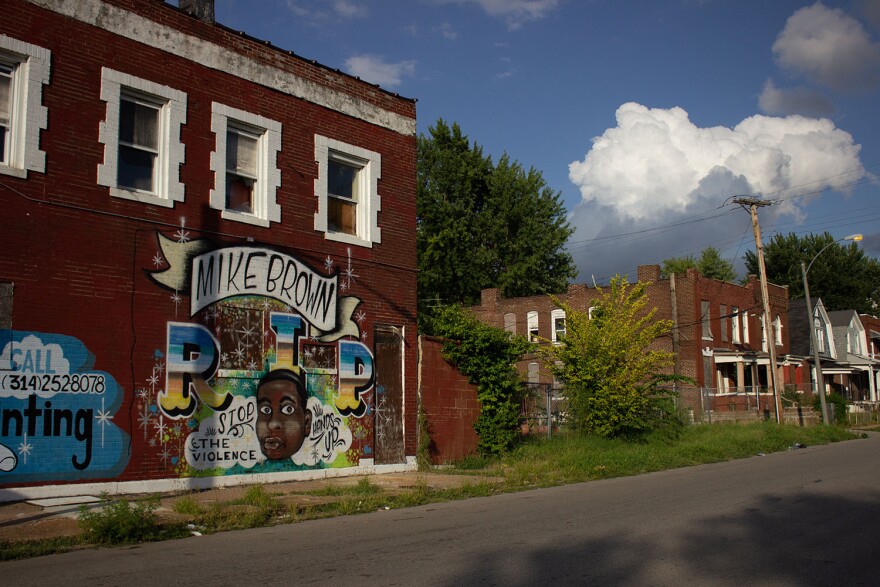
(543, 408)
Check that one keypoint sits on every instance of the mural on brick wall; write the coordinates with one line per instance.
(56, 412)
(266, 370)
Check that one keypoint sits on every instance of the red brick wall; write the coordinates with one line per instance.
(449, 403)
(81, 260)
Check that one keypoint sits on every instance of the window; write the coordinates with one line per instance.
(820, 334)
(244, 162)
(777, 330)
(532, 321)
(534, 373)
(745, 323)
(347, 192)
(558, 319)
(734, 322)
(24, 70)
(724, 320)
(704, 316)
(141, 138)
(763, 334)
(510, 323)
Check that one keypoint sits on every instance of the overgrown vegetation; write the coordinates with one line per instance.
(123, 522)
(612, 376)
(836, 400)
(486, 356)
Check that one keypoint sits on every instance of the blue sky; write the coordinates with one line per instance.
(647, 116)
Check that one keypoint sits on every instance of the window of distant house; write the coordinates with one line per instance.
(704, 317)
(534, 374)
(763, 334)
(510, 322)
(724, 321)
(558, 319)
(777, 330)
(734, 323)
(820, 334)
(244, 162)
(24, 70)
(347, 192)
(745, 325)
(532, 322)
(141, 137)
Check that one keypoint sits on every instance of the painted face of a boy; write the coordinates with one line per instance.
(283, 422)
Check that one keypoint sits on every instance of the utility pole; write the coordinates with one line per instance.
(754, 204)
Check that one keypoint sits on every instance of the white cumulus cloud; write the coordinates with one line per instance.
(657, 168)
(828, 47)
(374, 69)
(655, 159)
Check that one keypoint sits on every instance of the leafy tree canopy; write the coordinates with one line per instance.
(606, 363)
(843, 276)
(710, 264)
(483, 224)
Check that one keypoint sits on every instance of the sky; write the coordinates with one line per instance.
(648, 117)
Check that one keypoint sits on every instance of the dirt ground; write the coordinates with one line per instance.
(42, 519)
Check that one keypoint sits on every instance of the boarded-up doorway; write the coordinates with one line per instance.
(389, 396)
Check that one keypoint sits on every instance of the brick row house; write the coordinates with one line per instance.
(210, 267)
(718, 336)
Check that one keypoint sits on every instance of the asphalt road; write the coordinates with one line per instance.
(803, 517)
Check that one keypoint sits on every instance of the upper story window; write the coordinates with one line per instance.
(734, 323)
(723, 319)
(244, 162)
(347, 192)
(777, 330)
(745, 325)
(141, 137)
(820, 334)
(510, 322)
(558, 319)
(704, 317)
(24, 69)
(532, 322)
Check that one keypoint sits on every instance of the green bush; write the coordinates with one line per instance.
(839, 403)
(120, 522)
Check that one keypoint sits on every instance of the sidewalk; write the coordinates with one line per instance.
(57, 517)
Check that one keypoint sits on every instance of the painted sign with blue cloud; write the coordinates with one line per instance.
(56, 412)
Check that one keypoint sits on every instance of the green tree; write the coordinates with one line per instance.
(487, 357)
(606, 363)
(843, 275)
(484, 225)
(710, 264)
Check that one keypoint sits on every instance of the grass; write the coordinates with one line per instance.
(566, 458)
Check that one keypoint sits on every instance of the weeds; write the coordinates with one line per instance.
(123, 522)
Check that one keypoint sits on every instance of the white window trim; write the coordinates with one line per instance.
(510, 322)
(734, 321)
(532, 320)
(777, 330)
(29, 116)
(266, 207)
(554, 315)
(706, 320)
(745, 325)
(172, 151)
(368, 231)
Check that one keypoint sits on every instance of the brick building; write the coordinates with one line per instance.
(187, 210)
(717, 338)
